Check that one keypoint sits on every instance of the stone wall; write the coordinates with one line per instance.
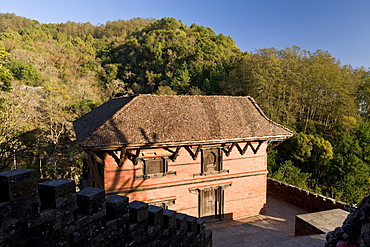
(299, 197)
(53, 214)
(355, 230)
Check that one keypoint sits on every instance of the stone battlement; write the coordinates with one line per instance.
(53, 214)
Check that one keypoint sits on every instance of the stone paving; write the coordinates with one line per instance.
(274, 228)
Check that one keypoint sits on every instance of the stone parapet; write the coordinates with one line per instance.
(53, 214)
(302, 198)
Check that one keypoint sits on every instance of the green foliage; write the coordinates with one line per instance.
(83, 106)
(350, 170)
(5, 75)
(165, 90)
(25, 72)
(180, 56)
(308, 152)
(295, 86)
(291, 174)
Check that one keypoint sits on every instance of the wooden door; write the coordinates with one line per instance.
(211, 202)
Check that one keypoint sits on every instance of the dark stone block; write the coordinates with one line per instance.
(201, 225)
(117, 206)
(138, 211)
(181, 222)
(208, 238)
(191, 224)
(90, 200)
(155, 215)
(57, 193)
(16, 184)
(169, 218)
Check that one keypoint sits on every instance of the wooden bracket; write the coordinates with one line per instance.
(96, 157)
(193, 154)
(277, 143)
(174, 154)
(133, 157)
(227, 149)
(119, 160)
(255, 150)
(242, 150)
(122, 157)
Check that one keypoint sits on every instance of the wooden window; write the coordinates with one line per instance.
(155, 165)
(211, 162)
(163, 203)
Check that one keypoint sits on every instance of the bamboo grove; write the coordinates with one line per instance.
(50, 74)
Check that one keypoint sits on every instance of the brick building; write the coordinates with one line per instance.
(204, 156)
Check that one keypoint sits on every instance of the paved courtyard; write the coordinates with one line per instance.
(274, 228)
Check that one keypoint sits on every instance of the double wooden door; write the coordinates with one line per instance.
(211, 202)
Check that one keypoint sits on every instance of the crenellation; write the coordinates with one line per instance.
(17, 184)
(117, 206)
(181, 222)
(155, 215)
(169, 222)
(51, 213)
(58, 194)
(90, 201)
(191, 224)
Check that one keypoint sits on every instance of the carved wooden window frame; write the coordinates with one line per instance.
(146, 170)
(204, 171)
(165, 203)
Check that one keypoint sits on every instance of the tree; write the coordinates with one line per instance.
(180, 57)
(309, 153)
(291, 174)
(5, 75)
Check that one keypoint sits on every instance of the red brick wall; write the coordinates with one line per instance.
(247, 176)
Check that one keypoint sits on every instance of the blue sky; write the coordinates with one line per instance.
(337, 26)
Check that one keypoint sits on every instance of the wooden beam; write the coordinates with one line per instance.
(255, 150)
(96, 157)
(269, 148)
(242, 150)
(226, 150)
(185, 143)
(114, 155)
(122, 157)
(175, 153)
(133, 157)
(190, 150)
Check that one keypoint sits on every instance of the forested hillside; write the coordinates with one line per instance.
(50, 74)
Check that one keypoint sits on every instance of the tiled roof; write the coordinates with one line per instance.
(162, 119)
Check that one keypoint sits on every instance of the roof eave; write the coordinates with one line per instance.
(184, 143)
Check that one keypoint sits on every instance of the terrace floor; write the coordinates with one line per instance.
(274, 228)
